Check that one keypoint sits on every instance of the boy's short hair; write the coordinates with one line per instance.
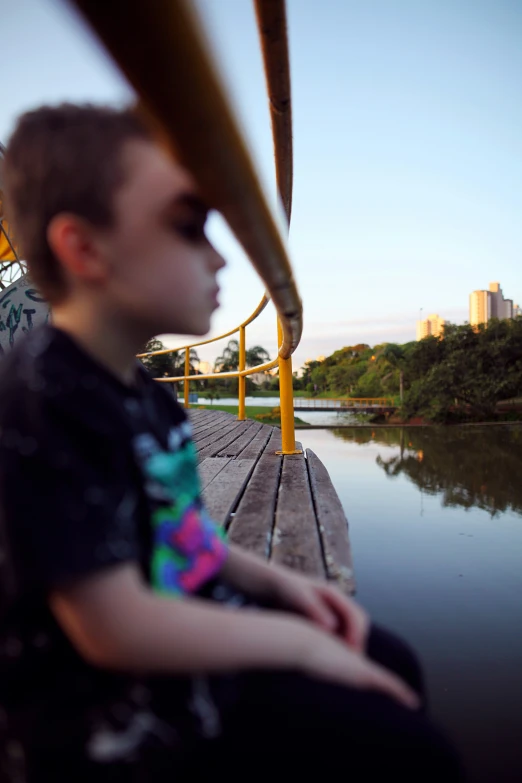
(64, 158)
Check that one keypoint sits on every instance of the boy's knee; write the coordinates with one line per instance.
(394, 653)
(435, 758)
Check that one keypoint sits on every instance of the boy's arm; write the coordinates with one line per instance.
(115, 621)
(320, 602)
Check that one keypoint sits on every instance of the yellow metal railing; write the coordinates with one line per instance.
(152, 39)
(271, 24)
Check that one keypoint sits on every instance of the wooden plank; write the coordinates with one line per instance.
(211, 422)
(275, 443)
(214, 418)
(206, 413)
(207, 431)
(296, 541)
(235, 448)
(199, 432)
(252, 524)
(333, 525)
(258, 444)
(217, 444)
(198, 416)
(219, 431)
(202, 424)
(197, 413)
(222, 494)
(209, 469)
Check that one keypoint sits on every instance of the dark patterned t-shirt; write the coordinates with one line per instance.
(93, 473)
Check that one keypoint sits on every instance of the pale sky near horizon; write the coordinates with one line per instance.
(407, 151)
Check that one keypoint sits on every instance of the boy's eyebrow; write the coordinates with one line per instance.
(190, 200)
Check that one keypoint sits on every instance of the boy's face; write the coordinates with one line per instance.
(161, 267)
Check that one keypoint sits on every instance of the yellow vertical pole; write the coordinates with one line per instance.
(186, 381)
(242, 380)
(286, 401)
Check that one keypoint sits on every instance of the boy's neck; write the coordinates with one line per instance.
(106, 340)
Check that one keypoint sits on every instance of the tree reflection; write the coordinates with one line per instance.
(468, 466)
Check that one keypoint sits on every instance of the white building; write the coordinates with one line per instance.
(433, 326)
(484, 305)
(500, 307)
(479, 307)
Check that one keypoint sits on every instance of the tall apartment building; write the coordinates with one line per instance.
(500, 307)
(484, 305)
(432, 325)
(479, 307)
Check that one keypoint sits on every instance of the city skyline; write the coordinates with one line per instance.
(483, 305)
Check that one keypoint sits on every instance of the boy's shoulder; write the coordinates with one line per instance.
(48, 376)
(27, 369)
(45, 363)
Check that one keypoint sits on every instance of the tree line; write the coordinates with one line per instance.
(462, 374)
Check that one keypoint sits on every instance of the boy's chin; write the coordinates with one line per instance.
(199, 327)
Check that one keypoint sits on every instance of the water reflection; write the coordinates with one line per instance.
(444, 574)
(467, 466)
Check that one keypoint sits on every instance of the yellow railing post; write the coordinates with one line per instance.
(242, 379)
(186, 381)
(286, 401)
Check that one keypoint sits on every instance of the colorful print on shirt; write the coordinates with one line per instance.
(188, 547)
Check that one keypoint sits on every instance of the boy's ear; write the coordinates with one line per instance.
(73, 243)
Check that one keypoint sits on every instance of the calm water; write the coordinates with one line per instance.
(436, 528)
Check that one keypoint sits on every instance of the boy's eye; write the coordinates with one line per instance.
(194, 232)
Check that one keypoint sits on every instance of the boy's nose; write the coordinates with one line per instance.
(218, 262)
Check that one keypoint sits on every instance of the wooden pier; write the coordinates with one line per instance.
(285, 509)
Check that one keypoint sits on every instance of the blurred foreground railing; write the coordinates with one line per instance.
(160, 47)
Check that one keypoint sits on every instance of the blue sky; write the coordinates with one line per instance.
(407, 147)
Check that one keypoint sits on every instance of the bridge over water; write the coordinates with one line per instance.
(346, 404)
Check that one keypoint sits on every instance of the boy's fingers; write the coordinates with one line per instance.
(321, 613)
(352, 619)
(383, 680)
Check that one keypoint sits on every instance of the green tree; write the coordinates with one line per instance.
(167, 364)
(229, 359)
(467, 372)
(161, 365)
(319, 377)
(307, 373)
(396, 356)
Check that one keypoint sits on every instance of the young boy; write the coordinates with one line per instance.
(135, 643)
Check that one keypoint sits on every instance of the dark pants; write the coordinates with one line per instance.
(286, 726)
(274, 726)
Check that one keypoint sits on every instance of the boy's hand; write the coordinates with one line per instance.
(319, 602)
(328, 659)
(324, 605)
